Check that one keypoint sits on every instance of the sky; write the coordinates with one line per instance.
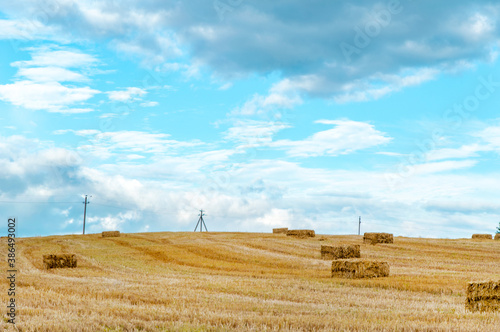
(265, 114)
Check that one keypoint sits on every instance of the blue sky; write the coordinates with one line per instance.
(263, 113)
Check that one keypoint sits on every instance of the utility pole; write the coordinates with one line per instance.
(85, 212)
(359, 226)
(201, 222)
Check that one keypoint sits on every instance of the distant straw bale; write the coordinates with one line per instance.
(280, 230)
(59, 261)
(482, 236)
(111, 234)
(497, 236)
(483, 296)
(375, 238)
(340, 252)
(359, 268)
(301, 233)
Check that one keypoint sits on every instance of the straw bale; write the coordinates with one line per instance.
(375, 238)
(359, 268)
(483, 296)
(497, 236)
(482, 236)
(301, 233)
(59, 261)
(340, 252)
(111, 234)
(280, 230)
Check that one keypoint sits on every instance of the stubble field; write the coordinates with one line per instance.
(245, 282)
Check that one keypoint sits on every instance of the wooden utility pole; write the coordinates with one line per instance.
(201, 222)
(85, 212)
(359, 226)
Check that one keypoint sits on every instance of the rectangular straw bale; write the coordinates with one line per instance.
(111, 234)
(482, 236)
(359, 268)
(497, 236)
(301, 233)
(59, 261)
(341, 252)
(483, 296)
(375, 238)
(280, 230)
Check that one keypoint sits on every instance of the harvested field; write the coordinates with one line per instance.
(111, 234)
(482, 236)
(280, 230)
(175, 281)
(359, 268)
(483, 296)
(341, 252)
(374, 238)
(301, 233)
(59, 261)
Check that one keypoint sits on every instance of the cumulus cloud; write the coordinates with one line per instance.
(128, 94)
(340, 50)
(346, 137)
(42, 82)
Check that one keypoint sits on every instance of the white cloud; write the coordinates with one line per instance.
(50, 74)
(107, 144)
(50, 96)
(59, 57)
(150, 104)
(491, 136)
(465, 151)
(377, 86)
(254, 133)
(346, 137)
(129, 94)
(443, 166)
(113, 222)
(40, 87)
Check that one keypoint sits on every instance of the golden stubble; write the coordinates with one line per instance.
(246, 282)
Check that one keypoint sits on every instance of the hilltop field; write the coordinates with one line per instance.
(245, 282)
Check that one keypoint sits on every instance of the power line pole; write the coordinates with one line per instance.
(201, 222)
(359, 226)
(85, 212)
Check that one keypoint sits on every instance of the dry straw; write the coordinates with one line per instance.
(111, 234)
(375, 238)
(497, 236)
(301, 233)
(358, 268)
(341, 252)
(482, 236)
(59, 261)
(280, 230)
(483, 296)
